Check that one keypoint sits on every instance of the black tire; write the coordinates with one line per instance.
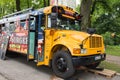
(62, 64)
(93, 66)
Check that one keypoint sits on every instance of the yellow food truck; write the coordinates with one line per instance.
(51, 36)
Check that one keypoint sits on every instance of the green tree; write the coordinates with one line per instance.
(107, 20)
(87, 9)
(7, 7)
(10, 6)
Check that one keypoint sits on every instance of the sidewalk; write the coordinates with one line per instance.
(113, 59)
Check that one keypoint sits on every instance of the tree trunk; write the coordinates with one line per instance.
(93, 6)
(48, 2)
(18, 5)
(44, 3)
(28, 5)
(85, 12)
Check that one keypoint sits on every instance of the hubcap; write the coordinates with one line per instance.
(61, 64)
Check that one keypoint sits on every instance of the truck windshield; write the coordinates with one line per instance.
(68, 24)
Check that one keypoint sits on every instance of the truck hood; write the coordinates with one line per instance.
(76, 35)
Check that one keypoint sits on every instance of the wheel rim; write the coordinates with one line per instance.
(61, 64)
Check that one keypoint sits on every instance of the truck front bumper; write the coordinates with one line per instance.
(86, 60)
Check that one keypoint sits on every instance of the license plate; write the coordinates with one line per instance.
(97, 57)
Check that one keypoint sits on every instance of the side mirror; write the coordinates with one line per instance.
(78, 17)
(91, 30)
(54, 19)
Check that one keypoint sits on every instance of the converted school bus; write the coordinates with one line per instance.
(51, 36)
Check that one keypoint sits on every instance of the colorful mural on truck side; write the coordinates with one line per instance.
(18, 39)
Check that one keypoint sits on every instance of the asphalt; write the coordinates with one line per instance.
(19, 69)
(113, 59)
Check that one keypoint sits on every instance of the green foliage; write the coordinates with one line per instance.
(99, 8)
(6, 6)
(9, 6)
(107, 22)
(105, 19)
(78, 9)
(108, 40)
(111, 40)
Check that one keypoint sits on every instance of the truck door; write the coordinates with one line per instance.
(36, 38)
(32, 35)
(40, 39)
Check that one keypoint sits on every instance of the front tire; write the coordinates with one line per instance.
(62, 64)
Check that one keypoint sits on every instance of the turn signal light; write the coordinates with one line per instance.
(76, 50)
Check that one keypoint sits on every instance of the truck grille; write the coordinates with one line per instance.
(95, 42)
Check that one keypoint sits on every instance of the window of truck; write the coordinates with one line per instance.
(67, 24)
(64, 23)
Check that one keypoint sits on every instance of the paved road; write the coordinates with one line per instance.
(19, 69)
(113, 59)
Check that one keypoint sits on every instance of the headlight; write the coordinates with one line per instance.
(83, 51)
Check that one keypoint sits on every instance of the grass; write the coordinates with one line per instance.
(113, 50)
(111, 66)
